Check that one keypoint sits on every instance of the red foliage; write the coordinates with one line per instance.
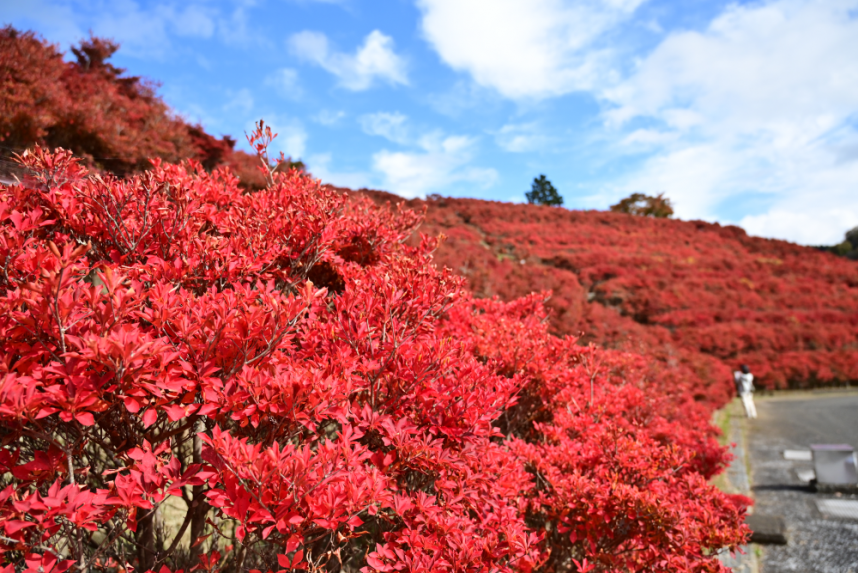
(198, 378)
(618, 450)
(113, 121)
(700, 297)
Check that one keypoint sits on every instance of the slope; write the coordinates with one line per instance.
(114, 121)
(699, 294)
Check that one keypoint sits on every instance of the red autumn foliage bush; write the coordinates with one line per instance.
(696, 295)
(113, 121)
(201, 379)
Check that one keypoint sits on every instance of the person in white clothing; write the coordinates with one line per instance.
(745, 386)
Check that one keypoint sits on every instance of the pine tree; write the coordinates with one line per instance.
(542, 192)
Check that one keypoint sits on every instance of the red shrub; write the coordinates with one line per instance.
(692, 294)
(176, 393)
(113, 121)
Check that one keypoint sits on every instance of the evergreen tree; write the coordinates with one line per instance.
(542, 192)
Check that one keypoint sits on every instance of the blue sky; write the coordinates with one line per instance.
(741, 112)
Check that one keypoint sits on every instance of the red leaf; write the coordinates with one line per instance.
(355, 521)
(85, 418)
(293, 543)
(45, 412)
(174, 412)
(207, 409)
(12, 527)
(150, 416)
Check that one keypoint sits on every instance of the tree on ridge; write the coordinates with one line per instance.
(542, 192)
(645, 205)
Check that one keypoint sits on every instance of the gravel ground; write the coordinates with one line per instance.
(816, 543)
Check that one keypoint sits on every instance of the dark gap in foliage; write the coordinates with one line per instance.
(325, 275)
(359, 250)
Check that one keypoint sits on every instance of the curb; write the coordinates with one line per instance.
(739, 481)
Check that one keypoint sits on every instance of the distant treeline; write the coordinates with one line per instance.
(848, 248)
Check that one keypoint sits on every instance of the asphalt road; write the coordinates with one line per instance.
(809, 419)
(817, 543)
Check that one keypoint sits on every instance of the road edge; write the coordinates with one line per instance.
(738, 480)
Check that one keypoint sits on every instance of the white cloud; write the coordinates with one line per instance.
(761, 102)
(391, 126)
(329, 118)
(648, 137)
(293, 142)
(320, 167)
(521, 137)
(435, 162)
(756, 65)
(695, 178)
(803, 226)
(533, 49)
(441, 162)
(292, 139)
(285, 82)
(374, 60)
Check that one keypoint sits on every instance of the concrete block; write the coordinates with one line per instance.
(799, 455)
(834, 464)
(767, 529)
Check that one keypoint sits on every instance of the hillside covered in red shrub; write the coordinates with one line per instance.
(198, 378)
(694, 294)
(113, 121)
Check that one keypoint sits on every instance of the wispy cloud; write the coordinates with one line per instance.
(373, 61)
(329, 117)
(752, 114)
(391, 126)
(241, 101)
(337, 2)
(320, 166)
(440, 161)
(285, 83)
(192, 21)
(521, 137)
(145, 30)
